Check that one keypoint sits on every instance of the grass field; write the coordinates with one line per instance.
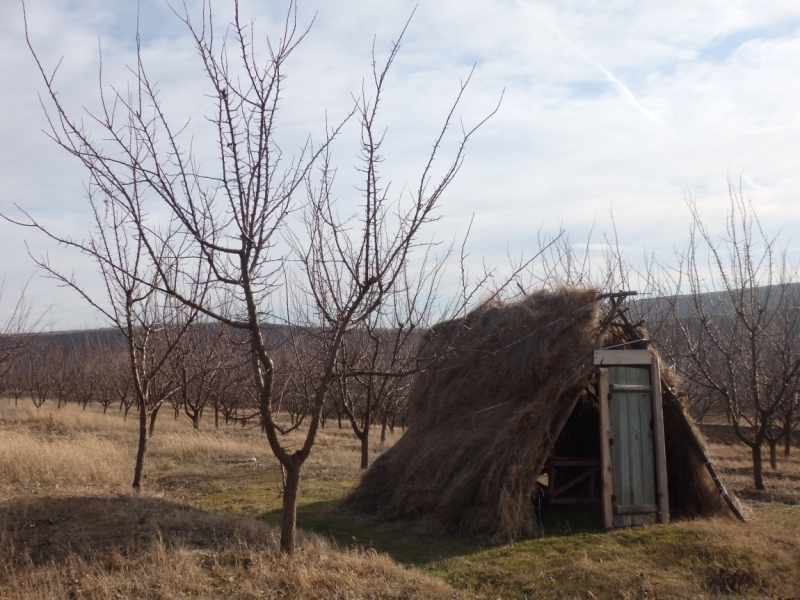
(204, 526)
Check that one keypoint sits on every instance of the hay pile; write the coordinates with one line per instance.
(464, 465)
(485, 415)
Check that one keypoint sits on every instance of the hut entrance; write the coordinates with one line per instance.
(573, 469)
(632, 453)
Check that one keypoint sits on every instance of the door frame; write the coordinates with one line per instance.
(630, 358)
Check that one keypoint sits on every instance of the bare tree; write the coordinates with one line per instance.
(355, 270)
(738, 324)
(151, 323)
(788, 421)
(39, 377)
(228, 220)
(376, 366)
(200, 368)
(16, 330)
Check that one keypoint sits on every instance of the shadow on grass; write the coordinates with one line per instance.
(407, 543)
(51, 528)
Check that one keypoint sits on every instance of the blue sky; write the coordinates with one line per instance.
(623, 105)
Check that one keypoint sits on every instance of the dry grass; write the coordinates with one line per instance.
(32, 461)
(71, 529)
(736, 467)
(150, 548)
(52, 446)
(90, 538)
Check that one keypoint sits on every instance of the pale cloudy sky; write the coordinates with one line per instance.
(619, 104)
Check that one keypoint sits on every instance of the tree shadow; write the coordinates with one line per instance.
(414, 543)
(44, 529)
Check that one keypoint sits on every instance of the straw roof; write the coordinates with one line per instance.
(485, 414)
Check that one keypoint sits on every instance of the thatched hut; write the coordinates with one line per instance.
(511, 386)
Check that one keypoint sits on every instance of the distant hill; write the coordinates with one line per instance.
(714, 303)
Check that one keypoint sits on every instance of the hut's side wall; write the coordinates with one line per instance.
(692, 492)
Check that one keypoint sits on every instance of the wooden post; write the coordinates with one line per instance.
(606, 470)
(658, 439)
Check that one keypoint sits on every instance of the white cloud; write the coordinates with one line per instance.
(629, 103)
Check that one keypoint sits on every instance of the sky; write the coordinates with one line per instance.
(616, 108)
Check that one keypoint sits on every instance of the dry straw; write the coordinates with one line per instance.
(486, 412)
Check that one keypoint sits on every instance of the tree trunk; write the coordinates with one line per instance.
(153, 416)
(339, 418)
(383, 427)
(773, 454)
(787, 438)
(137, 472)
(216, 416)
(758, 477)
(365, 446)
(289, 517)
(196, 421)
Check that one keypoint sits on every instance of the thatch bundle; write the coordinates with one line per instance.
(486, 413)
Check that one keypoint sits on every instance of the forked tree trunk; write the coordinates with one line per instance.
(137, 472)
(383, 427)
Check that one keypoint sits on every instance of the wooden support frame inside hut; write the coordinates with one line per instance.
(554, 398)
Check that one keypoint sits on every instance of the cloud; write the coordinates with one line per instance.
(623, 90)
(716, 83)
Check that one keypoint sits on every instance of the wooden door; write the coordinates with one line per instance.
(632, 451)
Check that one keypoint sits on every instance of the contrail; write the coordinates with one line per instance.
(622, 89)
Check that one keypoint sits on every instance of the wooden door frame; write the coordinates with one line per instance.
(630, 358)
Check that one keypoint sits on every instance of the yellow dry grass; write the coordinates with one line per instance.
(69, 528)
(735, 466)
(91, 538)
(150, 548)
(29, 460)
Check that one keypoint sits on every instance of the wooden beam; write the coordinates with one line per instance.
(634, 510)
(575, 481)
(606, 470)
(622, 357)
(658, 439)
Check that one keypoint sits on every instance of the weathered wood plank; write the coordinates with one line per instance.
(606, 467)
(619, 421)
(661, 453)
(622, 357)
(633, 509)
